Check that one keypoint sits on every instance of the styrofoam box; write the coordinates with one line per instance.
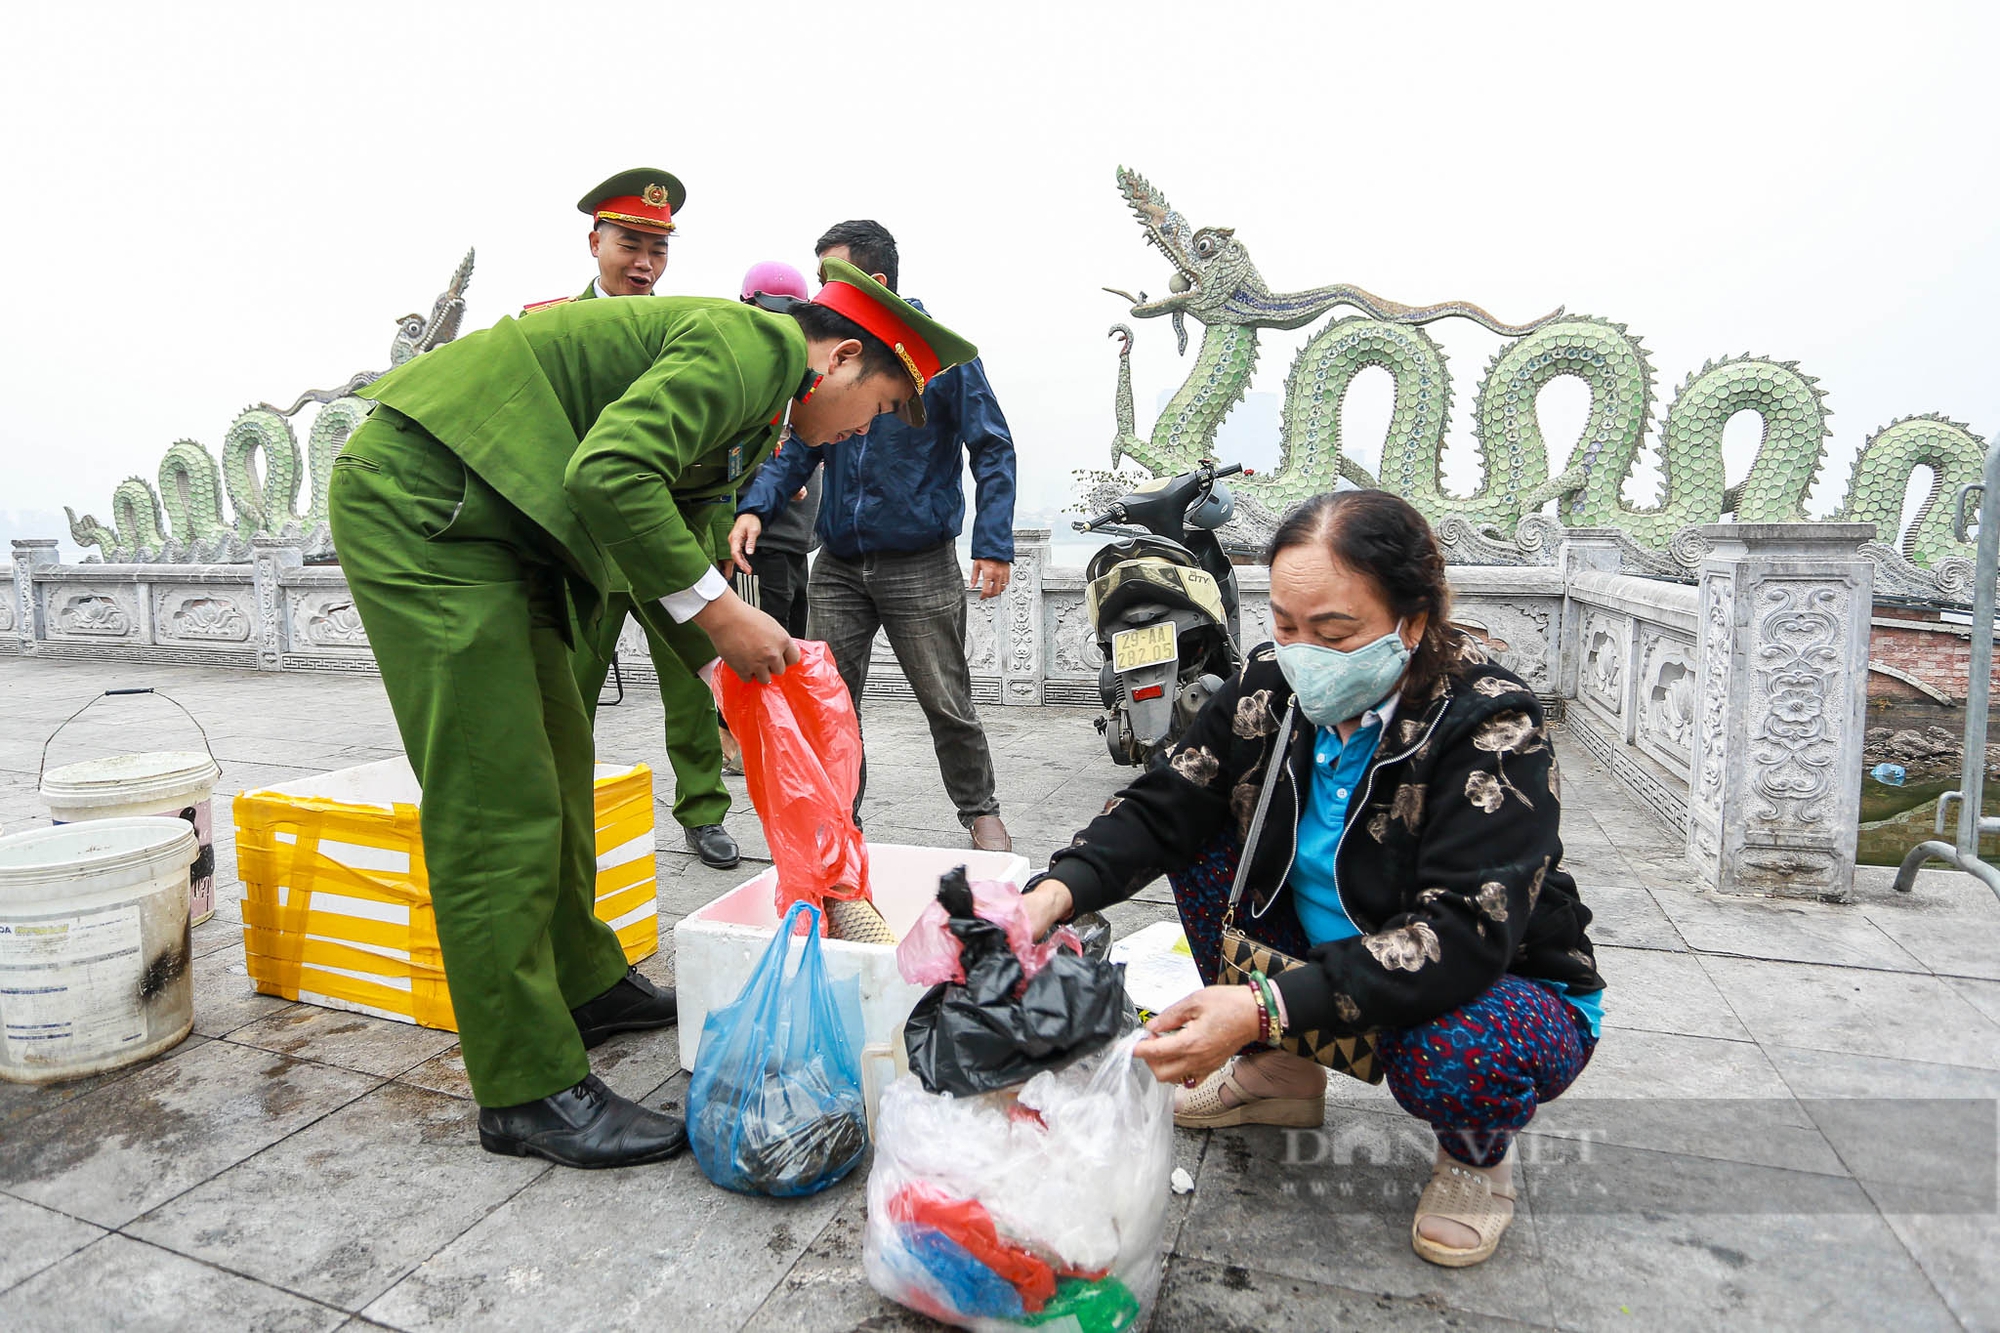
(717, 946)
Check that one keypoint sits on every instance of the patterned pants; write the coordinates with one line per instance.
(1474, 1075)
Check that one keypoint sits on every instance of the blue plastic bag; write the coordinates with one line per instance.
(775, 1104)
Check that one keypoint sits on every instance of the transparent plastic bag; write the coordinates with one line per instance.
(775, 1103)
(802, 762)
(975, 1203)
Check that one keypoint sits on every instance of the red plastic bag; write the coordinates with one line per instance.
(802, 760)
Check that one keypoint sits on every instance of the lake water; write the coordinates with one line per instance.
(1895, 819)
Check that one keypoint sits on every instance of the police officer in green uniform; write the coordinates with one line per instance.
(632, 217)
(491, 502)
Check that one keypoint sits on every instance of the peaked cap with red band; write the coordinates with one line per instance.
(925, 347)
(643, 199)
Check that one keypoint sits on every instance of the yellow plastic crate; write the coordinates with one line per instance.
(337, 905)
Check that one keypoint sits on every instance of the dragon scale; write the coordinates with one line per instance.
(330, 429)
(266, 505)
(1881, 478)
(136, 510)
(1309, 445)
(1222, 371)
(191, 492)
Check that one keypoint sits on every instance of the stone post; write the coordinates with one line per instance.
(1781, 700)
(1021, 620)
(1581, 549)
(29, 554)
(272, 558)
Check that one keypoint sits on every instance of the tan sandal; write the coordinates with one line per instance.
(1202, 1107)
(1459, 1194)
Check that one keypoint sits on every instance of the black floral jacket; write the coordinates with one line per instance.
(1450, 862)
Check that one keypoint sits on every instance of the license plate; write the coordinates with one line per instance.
(1150, 645)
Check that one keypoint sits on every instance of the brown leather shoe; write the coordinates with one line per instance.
(990, 835)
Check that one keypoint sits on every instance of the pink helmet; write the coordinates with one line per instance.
(774, 277)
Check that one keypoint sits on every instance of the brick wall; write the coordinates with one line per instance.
(1938, 654)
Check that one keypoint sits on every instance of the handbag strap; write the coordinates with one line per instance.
(1281, 749)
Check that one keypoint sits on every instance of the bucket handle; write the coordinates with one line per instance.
(136, 689)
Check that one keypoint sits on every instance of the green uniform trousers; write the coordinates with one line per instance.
(466, 610)
(679, 651)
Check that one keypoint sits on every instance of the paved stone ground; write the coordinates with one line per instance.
(1748, 1148)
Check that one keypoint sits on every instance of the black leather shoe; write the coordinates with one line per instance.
(633, 1004)
(712, 843)
(588, 1125)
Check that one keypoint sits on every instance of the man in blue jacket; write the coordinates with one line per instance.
(890, 513)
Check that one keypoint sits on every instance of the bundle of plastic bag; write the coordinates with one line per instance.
(1030, 1207)
(931, 954)
(802, 762)
(775, 1104)
(1016, 1007)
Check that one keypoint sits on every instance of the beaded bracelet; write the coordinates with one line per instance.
(1269, 1031)
(1271, 1002)
(1263, 1018)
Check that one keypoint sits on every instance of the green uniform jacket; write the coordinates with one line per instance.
(710, 521)
(594, 417)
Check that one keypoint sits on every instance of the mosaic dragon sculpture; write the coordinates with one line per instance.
(183, 522)
(1215, 283)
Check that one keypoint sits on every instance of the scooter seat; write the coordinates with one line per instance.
(1141, 547)
(1150, 579)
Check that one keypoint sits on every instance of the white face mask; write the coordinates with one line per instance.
(1333, 686)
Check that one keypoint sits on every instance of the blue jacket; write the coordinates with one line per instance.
(900, 488)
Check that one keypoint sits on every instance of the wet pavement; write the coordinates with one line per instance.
(1789, 1122)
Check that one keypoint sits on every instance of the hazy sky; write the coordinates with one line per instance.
(209, 205)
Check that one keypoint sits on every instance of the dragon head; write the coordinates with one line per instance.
(416, 335)
(1215, 281)
(1212, 271)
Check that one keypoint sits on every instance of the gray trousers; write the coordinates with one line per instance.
(918, 598)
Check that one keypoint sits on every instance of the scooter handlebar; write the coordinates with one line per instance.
(1228, 471)
(1111, 515)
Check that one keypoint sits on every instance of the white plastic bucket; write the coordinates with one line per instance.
(95, 965)
(173, 784)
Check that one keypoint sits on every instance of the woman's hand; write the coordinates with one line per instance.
(1048, 904)
(1195, 1036)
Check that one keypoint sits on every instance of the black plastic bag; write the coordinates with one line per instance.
(993, 1031)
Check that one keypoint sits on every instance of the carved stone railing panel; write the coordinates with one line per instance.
(982, 638)
(16, 633)
(1628, 643)
(1605, 666)
(98, 612)
(325, 621)
(1664, 689)
(1072, 642)
(197, 614)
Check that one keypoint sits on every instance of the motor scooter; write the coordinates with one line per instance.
(1163, 605)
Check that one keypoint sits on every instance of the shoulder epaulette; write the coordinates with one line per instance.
(544, 305)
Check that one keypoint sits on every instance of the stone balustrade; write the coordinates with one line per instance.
(1733, 707)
